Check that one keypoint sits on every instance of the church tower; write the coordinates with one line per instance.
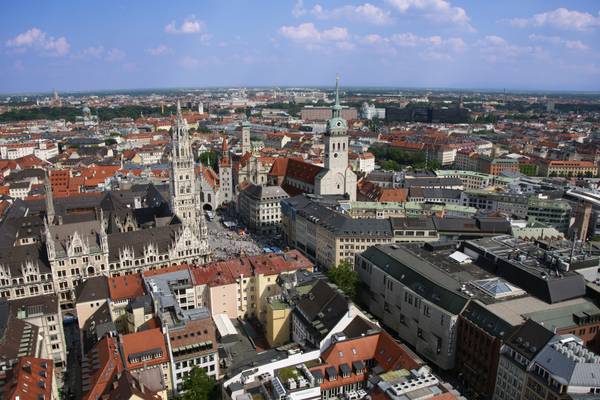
(182, 184)
(225, 174)
(337, 177)
(50, 213)
(246, 145)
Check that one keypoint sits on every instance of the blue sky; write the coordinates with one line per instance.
(91, 45)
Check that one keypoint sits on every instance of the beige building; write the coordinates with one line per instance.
(241, 287)
(260, 208)
(277, 322)
(44, 313)
(329, 237)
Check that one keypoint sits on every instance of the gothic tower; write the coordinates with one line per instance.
(49, 199)
(337, 176)
(182, 184)
(225, 174)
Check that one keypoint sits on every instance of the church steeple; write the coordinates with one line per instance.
(49, 199)
(337, 108)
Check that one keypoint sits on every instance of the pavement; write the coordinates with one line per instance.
(225, 243)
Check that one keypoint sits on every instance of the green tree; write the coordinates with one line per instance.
(209, 156)
(345, 277)
(390, 165)
(110, 142)
(199, 386)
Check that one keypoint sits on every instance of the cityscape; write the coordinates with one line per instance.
(294, 200)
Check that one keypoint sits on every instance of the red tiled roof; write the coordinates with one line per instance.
(105, 355)
(30, 379)
(125, 287)
(302, 171)
(166, 270)
(226, 272)
(141, 342)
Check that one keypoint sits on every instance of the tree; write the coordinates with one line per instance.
(211, 156)
(199, 386)
(110, 142)
(390, 165)
(345, 277)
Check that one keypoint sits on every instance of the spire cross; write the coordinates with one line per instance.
(337, 89)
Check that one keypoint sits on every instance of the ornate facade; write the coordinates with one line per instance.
(52, 247)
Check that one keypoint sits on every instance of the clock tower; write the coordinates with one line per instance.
(337, 177)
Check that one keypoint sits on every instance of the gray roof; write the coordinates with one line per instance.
(17, 256)
(570, 363)
(416, 223)
(161, 236)
(88, 231)
(432, 182)
(341, 224)
(321, 309)
(419, 275)
(473, 226)
(265, 193)
(528, 267)
(529, 339)
(94, 288)
(491, 323)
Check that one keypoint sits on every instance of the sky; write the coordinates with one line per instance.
(479, 44)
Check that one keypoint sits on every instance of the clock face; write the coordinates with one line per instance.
(339, 123)
(335, 155)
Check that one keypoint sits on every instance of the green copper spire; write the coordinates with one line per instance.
(337, 108)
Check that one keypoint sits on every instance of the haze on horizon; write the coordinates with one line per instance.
(109, 45)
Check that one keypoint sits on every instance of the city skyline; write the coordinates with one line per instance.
(545, 46)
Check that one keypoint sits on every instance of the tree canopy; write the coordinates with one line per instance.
(199, 386)
(211, 156)
(345, 277)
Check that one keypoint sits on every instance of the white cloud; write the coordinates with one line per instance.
(493, 40)
(298, 9)
(115, 55)
(158, 50)
(432, 48)
(409, 39)
(189, 62)
(438, 10)
(561, 18)
(366, 12)
(93, 52)
(189, 26)
(307, 33)
(556, 40)
(496, 49)
(37, 39)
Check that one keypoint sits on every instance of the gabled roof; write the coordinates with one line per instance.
(147, 345)
(100, 367)
(92, 289)
(125, 287)
(322, 308)
(30, 379)
(529, 339)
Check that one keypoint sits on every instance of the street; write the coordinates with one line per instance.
(72, 380)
